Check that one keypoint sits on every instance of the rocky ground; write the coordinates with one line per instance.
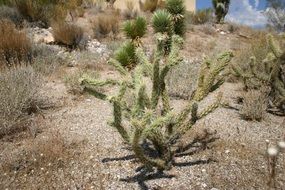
(229, 155)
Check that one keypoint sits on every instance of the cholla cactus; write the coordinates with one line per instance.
(221, 9)
(210, 77)
(147, 122)
(267, 73)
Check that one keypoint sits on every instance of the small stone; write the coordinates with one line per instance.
(227, 151)
(204, 185)
(272, 151)
(281, 145)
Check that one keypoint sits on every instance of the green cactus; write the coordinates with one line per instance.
(177, 9)
(266, 73)
(221, 9)
(153, 124)
(210, 78)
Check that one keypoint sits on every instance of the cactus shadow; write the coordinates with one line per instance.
(198, 144)
(145, 175)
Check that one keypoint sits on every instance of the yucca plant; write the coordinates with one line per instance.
(135, 29)
(221, 9)
(153, 127)
(177, 9)
(126, 56)
(162, 23)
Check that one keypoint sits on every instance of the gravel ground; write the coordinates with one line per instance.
(101, 161)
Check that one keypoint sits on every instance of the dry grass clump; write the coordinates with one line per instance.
(105, 24)
(45, 11)
(151, 5)
(11, 14)
(254, 105)
(199, 17)
(44, 152)
(70, 35)
(46, 59)
(130, 12)
(256, 46)
(15, 46)
(19, 95)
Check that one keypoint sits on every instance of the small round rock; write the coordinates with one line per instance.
(272, 151)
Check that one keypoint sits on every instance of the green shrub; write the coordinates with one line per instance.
(126, 56)
(136, 28)
(177, 9)
(133, 30)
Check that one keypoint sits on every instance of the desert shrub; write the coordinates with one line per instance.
(257, 47)
(15, 46)
(19, 87)
(130, 12)
(11, 14)
(267, 72)
(149, 5)
(49, 151)
(73, 83)
(70, 35)
(46, 59)
(208, 29)
(199, 17)
(253, 105)
(105, 24)
(46, 11)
